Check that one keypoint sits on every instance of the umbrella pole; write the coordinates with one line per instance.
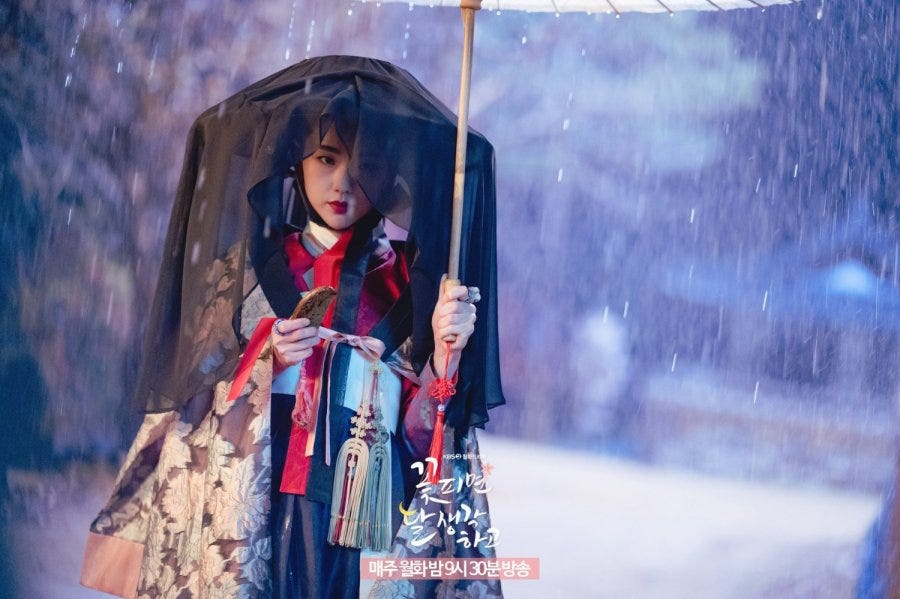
(443, 389)
(462, 130)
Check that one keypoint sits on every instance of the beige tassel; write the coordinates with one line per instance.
(375, 519)
(350, 521)
(376, 530)
(352, 464)
(361, 497)
(349, 481)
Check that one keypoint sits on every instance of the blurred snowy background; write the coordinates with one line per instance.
(699, 256)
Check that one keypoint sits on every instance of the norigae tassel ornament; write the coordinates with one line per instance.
(350, 474)
(375, 513)
(361, 498)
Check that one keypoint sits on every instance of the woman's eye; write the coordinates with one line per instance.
(327, 160)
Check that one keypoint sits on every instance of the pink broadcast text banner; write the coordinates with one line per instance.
(422, 568)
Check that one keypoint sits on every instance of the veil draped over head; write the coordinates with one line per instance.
(235, 202)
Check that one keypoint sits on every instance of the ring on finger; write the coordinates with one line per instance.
(277, 326)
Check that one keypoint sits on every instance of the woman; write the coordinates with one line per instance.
(242, 480)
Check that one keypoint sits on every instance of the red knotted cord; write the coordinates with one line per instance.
(441, 389)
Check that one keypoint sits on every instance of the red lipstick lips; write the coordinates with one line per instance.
(339, 207)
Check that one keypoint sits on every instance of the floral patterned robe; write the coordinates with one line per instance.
(189, 514)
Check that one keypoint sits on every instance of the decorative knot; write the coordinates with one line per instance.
(443, 389)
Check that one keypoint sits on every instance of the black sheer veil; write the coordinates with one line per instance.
(228, 221)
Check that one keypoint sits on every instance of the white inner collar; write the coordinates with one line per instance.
(318, 239)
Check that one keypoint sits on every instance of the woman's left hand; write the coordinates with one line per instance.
(453, 320)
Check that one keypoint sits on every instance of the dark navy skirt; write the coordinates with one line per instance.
(304, 564)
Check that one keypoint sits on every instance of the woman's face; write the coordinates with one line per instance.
(333, 194)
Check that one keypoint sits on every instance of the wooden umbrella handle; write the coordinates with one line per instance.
(462, 133)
